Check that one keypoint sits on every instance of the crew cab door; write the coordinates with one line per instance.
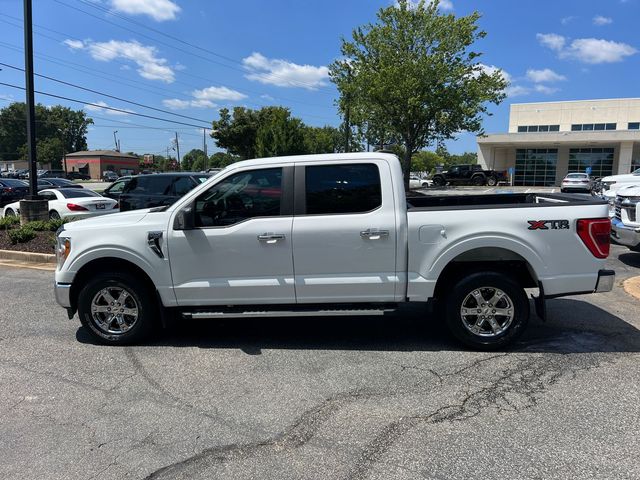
(344, 232)
(238, 248)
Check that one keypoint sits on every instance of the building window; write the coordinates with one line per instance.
(599, 159)
(634, 126)
(538, 128)
(598, 126)
(522, 129)
(611, 126)
(536, 166)
(576, 127)
(532, 128)
(579, 127)
(543, 128)
(587, 126)
(554, 128)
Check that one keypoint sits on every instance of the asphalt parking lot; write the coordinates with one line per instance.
(321, 398)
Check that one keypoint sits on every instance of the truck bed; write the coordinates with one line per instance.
(499, 200)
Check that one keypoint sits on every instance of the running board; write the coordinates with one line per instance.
(288, 313)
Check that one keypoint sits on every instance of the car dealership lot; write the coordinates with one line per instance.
(320, 398)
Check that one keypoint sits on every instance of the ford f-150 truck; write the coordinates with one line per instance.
(330, 235)
(625, 225)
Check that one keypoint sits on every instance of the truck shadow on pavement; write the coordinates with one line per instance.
(573, 326)
(630, 259)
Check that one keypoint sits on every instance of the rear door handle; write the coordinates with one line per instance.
(270, 237)
(374, 233)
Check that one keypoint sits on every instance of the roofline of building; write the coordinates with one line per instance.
(575, 101)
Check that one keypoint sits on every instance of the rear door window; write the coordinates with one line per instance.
(350, 188)
(150, 185)
(182, 185)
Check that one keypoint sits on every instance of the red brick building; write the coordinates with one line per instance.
(95, 162)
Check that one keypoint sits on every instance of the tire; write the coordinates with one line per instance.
(53, 215)
(492, 181)
(127, 328)
(9, 213)
(492, 331)
(562, 190)
(438, 181)
(478, 180)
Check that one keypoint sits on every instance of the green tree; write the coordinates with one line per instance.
(426, 161)
(415, 75)
(325, 139)
(193, 160)
(58, 129)
(222, 159)
(237, 132)
(278, 133)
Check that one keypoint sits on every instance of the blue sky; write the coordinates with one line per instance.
(257, 53)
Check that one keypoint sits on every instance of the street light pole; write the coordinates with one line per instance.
(33, 208)
(115, 140)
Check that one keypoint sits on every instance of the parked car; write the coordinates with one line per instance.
(70, 203)
(468, 174)
(115, 189)
(581, 182)
(417, 182)
(625, 225)
(78, 176)
(148, 191)
(56, 183)
(52, 174)
(109, 176)
(331, 235)
(612, 183)
(12, 190)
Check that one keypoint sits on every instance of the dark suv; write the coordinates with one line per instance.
(53, 174)
(156, 190)
(12, 190)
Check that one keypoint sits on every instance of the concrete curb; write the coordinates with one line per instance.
(632, 286)
(27, 257)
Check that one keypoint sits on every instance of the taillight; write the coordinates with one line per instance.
(117, 205)
(595, 233)
(76, 208)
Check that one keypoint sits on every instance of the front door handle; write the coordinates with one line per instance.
(374, 233)
(270, 237)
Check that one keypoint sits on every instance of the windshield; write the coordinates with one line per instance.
(14, 183)
(636, 171)
(76, 193)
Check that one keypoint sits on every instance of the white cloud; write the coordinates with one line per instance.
(267, 97)
(545, 89)
(159, 10)
(491, 69)
(567, 20)
(218, 93)
(98, 108)
(74, 44)
(204, 98)
(599, 20)
(283, 73)
(587, 50)
(551, 40)
(544, 75)
(150, 65)
(517, 91)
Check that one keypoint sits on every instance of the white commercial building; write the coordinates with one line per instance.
(550, 139)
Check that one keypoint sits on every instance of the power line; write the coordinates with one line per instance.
(164, 34)
(106, 94)
(103, 107)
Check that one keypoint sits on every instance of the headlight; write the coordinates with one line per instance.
(63, 249)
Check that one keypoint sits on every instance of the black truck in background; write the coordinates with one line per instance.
(468, 174)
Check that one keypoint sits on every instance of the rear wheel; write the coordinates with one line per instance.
(117, 308)
(487, 310)
(9, 213)
(478, 180)
(53, 215)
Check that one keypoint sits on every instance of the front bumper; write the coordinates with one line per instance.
(63, 294)
(624, 234)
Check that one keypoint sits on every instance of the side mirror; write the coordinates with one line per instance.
(185, 218)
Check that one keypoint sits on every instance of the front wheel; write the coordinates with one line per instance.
(116, 308)
(487, 310)
(438, 181)
(492, 181)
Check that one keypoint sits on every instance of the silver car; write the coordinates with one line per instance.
(576, 182)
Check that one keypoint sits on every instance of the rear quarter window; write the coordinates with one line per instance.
(150, 185)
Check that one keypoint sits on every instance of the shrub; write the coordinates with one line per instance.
(8, 222)
(21, 235)
(39, 225)
(54, 225)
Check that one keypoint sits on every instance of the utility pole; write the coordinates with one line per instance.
(115, 140)
(33, 208)
(177, 148)
(204, 148)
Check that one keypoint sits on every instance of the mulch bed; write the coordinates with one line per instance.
(43, 243)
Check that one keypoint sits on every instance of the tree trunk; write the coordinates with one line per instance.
(406, 166)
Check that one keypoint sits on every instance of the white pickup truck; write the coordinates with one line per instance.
(625, 224)
(329, 235)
